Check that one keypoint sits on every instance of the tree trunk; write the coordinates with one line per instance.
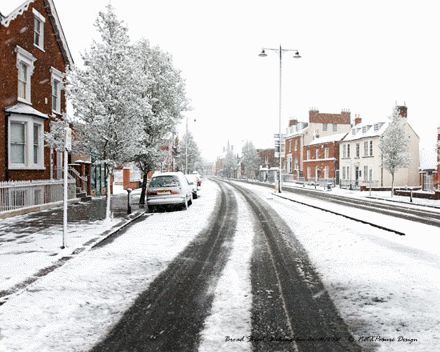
(392, 185)
(144, 190)
(107, 212)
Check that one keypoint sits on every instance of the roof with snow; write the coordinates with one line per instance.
(366, 130)
(328, 139)
(53, 16)
(24, 109)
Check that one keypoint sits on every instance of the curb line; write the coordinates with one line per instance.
(22, 286)
(345, 216)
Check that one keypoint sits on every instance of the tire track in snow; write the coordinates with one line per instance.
(292, 311)
(169, 316)
(229, 325)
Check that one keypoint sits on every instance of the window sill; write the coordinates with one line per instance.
(21, 100)
(369, 156)
(40, 47)
(23, 167)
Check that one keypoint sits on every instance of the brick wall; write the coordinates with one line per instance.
(20, 33)
(343, 118)
(333, 165)
(270, 155)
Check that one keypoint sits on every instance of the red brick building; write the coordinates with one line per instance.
(33, 60)
(321, 158)
(267, 158)
(300, 134)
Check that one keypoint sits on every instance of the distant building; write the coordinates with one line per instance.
(321, 158)
(300, 134)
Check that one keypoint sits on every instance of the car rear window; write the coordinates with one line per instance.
(164, 181)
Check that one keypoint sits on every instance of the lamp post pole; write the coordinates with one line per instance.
(186, 147)
(297, 56)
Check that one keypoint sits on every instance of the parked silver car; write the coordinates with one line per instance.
(169, 189)
(192, 180)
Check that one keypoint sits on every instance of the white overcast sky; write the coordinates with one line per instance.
(359, 55)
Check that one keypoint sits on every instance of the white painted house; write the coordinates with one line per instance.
(360, 158)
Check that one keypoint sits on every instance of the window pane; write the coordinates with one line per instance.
(17, 143)
(17, 133)
(22, 80)
(37, 26)
(36, 143)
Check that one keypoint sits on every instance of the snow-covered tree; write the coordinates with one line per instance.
(189, 153)
(107, 98)
(394, 146)
(230, 162)
(165, 91)
(251, 159)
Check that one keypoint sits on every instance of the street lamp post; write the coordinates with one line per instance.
(280, 51)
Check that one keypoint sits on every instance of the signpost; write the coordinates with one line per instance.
(67, 148)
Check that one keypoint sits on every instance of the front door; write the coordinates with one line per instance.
(356, 172)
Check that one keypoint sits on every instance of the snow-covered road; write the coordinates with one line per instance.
(385, 286)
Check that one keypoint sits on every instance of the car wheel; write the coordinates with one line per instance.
(190, 200)
(185, 205)
(151, 208)
(195, 195)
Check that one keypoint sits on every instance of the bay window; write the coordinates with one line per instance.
(26, 150)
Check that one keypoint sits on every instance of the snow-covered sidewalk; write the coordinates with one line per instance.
(31, 243)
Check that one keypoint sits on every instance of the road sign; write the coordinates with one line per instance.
(68, 139)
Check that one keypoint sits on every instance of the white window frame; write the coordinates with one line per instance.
(29, 122)
(56, 76)
(25, 58)
(348, 150)
(296, 145)
(344, 150)
(335, 127)
(317, 153)
(324, 127)
(41, 20)
(308, 154)
(326, 153)
(370, 148)
(295, 164)
(326, 172)
(358, 150)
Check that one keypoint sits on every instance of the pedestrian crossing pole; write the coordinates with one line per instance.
(67, 148)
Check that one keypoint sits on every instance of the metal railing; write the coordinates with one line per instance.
(20, 194)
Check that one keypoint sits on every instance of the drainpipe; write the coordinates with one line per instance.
(6, 146)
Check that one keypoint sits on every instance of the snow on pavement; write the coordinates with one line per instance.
(72, 308)
(24, 254)
(386, 287)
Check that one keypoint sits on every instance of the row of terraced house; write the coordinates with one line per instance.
(332, 148)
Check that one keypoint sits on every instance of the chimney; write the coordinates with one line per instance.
(403, 111)
(357, 119)
(293, 122)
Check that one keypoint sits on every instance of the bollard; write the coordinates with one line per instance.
(129, 200)
(410, 195)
